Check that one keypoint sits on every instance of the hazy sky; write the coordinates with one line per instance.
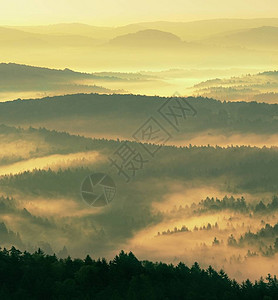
(119, 12)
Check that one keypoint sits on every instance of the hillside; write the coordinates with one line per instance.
(19, 145)
(20, 38)
(14, 37)
(261, 87)
(189, 31)
(87, 48)
(119, 116)
(198, 30)
(29, 81)
(147, 38)
(262, 38)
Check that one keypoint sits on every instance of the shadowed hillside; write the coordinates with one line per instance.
(26, 81)
(119, 116)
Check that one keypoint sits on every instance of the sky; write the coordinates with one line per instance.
(121, 12)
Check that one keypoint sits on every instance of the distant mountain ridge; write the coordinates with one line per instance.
(191, 30)
(81, 46)
(19, 37)
(264, 37)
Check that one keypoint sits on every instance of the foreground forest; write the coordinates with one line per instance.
(41, 276)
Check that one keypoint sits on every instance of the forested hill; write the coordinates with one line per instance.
(40, 276)
(114, 114)
(30, 143)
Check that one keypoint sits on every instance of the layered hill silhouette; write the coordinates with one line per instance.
(85, 47)
(196, 30)
(21, 38)
(31, 143)
(82, 35)
(261, 87)
(16, 78)
(147, 38)
(119, 116)
(193, 30)
(265, 37)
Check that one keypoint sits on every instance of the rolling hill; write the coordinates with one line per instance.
(189, 31)
(119, 116)
(263, 38)
(20, 38)
(87, 48)
(29, 81)
(261, 87)
(147, 38)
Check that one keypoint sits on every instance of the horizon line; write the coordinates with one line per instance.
(139, 22)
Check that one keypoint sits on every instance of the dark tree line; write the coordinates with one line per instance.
(40, 276)
(212, 114)
(239, 205)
